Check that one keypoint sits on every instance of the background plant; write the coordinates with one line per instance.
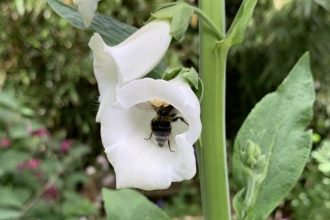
(38, 61)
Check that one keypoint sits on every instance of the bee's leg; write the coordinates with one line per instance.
(149, 137)
(182, 119)
(169, 145)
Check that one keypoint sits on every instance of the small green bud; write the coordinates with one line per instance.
(261, 163)
(251, 156)
(251, 161)
(253, 149)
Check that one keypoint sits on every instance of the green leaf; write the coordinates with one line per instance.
(324, 3)
(237, 29)
(238, 203)
(112, 31)
(10, 159)
(77, 206)
(8, 116)
(79, 151)
(278, 125)
(13, 197)
(19, 131)
(8, 100)
(6, 214)
(128, 204)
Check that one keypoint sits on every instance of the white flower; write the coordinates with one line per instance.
(125, 126)
(130, 60)
(87, 9)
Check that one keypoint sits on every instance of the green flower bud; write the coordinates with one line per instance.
(251, 156)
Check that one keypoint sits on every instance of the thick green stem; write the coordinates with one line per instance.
(214, 177)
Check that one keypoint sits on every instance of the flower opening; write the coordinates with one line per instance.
(139, 158)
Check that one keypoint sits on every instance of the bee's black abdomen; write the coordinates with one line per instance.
(161, 130)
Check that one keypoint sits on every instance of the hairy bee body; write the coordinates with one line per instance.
(161, 124)
(161, 129)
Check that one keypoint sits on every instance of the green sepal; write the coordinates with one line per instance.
(171, 74)
(180, 15)
(200, 91)
(191, 76)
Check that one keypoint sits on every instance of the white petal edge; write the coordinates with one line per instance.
(142, 51)
(105, 72)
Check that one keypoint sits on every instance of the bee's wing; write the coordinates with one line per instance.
(174, 112)
(146, 106)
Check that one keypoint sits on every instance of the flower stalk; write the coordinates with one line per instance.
(213, 172)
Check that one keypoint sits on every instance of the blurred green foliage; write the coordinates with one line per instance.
(47, 64)
(39, 171)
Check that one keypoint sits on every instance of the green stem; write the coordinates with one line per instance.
(214, 182)
(250, 191)
(199, 146)
(209, 22)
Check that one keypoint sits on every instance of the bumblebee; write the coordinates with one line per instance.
(161, 124)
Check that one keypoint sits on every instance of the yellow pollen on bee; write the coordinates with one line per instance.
(158, 103)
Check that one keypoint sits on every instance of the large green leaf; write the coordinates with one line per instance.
(278, 125)
(128, 204)
(112, 31)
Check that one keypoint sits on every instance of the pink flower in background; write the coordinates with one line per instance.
(42, 133)
(65, 145)
(31, 164)
(51, 193)
(5, 143)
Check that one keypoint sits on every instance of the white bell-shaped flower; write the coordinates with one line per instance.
(131, 143)
(87, 9)
(132, 59)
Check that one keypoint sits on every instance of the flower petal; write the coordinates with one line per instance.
(190, 97)
(142, 51)
(125, 127)
(105, 73)
(87, 9)
(141, 163)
